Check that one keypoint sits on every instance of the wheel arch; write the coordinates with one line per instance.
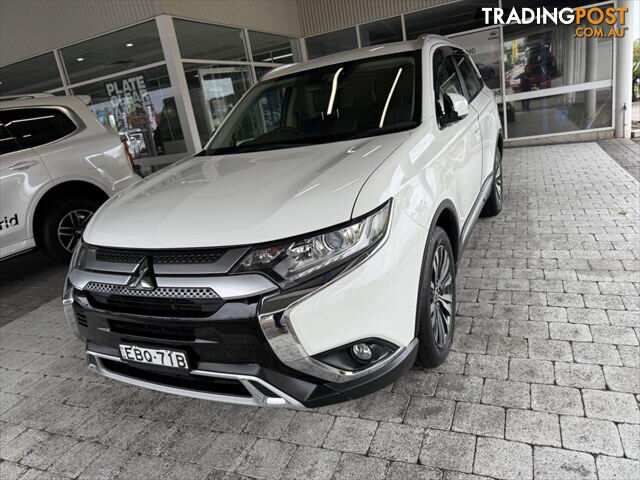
(63, 191)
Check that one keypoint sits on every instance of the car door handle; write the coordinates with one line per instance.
(23, 165)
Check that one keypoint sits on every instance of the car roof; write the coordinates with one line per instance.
(42, 99)
(422, 42)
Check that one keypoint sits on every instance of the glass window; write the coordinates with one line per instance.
(8, 142)
(447, 19)
(266, 47)
(140, 106)
(262, 71)
(547, 56)
(383, 31)
(114, 52)
(214, 90)
(332, 42)
(559, 113)
(209, 42)
(352, 100)
(484, 48)
(34, 75)
(37, 126)
(446, 81)
(468, 76)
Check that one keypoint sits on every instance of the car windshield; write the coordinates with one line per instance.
(354, 99)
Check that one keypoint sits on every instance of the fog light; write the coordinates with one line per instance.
(362, 352)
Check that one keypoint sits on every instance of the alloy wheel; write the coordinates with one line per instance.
(499, 181)
(441, 295)
(71, 227)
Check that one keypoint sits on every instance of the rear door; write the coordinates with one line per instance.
(23, 178)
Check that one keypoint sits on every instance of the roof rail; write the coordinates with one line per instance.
(25, 96)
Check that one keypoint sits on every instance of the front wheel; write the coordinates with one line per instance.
(436, 301)
(64, 225)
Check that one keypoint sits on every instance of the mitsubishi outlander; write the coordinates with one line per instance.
(308, 254)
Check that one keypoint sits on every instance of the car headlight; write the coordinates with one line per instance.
(78, 257)
(289, 261)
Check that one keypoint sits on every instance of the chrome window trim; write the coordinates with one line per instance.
(287, 346)
(256, 398)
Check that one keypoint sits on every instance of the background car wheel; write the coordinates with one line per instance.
(436, 301)
(64, 225)
(494, 202)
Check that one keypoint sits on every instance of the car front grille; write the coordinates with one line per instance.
(160, 292)
(175, 258)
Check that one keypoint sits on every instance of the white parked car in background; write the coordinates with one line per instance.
(308, 255)
(58, 164)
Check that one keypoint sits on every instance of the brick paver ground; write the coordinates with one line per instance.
(543, 382)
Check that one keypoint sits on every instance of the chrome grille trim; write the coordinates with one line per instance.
(160, 292)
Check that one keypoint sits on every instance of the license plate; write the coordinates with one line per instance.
(154, 356)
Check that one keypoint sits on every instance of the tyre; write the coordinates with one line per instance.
(493, 206)
(64, 225)
(436, 301)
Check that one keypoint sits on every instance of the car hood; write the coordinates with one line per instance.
(243, 198)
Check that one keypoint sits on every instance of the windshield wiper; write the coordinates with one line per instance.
(370, 132)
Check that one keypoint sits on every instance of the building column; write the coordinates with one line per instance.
(591, 75)
(179, 86)
(624, 61)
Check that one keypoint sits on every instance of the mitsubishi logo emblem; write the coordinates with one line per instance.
(142, 278)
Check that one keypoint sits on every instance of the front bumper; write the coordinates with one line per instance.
(260, 345)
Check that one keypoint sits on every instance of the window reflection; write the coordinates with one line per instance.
(332, 42)
(36, 74)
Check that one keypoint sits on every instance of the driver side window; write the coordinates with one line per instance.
(446, 81)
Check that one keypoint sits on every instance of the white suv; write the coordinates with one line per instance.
(308, 255)
(58, 163)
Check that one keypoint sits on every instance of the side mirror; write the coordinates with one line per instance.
(457, 108)
(460, 105)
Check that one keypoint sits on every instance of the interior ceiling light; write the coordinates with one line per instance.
(80, 59)
(128, 44)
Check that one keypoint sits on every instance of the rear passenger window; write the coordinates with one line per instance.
(8, 142)
(38, 126)
(468, 76)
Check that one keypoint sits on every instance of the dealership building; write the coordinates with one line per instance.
(165, 73)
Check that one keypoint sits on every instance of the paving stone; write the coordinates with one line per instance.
(233, 418)
(528, 329)
(387, 406)
(503, 459)
(616, 406)
(601, 354)
(587, 316)
(479, 419)
(451, 475)
(590, 435)
(580, 375)
(610, 468)
(487, 366)
(37, 474)
(506, 393)
(80, 456)
(555, 350)
(454, 363)
(533, 427)
(124, 431)
(11, 470)
(397, 442)
(623, 318)
(555, 464)
(188, 443)
(146, 466)
(630, 436)
(570, 331)
(227, 451)
(448, 450)
(460, 387)
(470, 343)
(152, 439)
(507, 346)
(358, 467)
(308, 428)
(44, 453)
(555, 399)
(622, 379)
(266, 459)
(404, 471)
(200, 413)
(109, 465)
(630, 356)
(430, 412)
(182, 470)
(311, 464)
(613, 334)
(417, 382)
(539, 313)
(269, 422)
(529, 370)
(350, 435)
